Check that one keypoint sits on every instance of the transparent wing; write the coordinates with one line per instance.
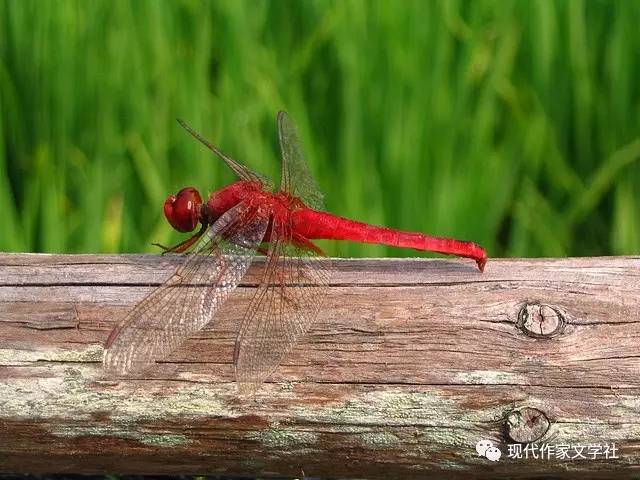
(283, 308)
(239, 169)
(187, 301)
(296, 176)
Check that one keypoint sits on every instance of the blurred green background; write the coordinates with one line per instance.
(512, 123)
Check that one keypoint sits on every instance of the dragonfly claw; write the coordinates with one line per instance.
(182, 247)
(164, 249)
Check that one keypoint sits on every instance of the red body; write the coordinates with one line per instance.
(309, 224)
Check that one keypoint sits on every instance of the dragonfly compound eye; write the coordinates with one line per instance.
(183, 210)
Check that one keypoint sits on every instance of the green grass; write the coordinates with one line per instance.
(512, 123)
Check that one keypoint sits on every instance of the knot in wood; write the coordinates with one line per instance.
(526, 425)
(540, 321)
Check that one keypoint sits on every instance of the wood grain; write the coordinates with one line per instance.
(411, 364)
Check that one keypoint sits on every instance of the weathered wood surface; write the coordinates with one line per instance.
(411, 364)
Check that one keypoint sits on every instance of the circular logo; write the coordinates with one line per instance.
(493, 454)
(482, 446)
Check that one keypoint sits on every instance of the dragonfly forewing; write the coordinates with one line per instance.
(242, 171)
(188, 300)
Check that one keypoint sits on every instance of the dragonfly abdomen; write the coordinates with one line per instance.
(313, 224)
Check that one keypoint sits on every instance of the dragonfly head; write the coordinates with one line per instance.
(183, 209)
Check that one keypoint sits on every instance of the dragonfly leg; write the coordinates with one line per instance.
(183, 246)
(306, 244)
(300, 242)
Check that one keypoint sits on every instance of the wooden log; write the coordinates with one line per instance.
(412, 363)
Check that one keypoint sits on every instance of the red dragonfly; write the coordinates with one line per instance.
(236, 223)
